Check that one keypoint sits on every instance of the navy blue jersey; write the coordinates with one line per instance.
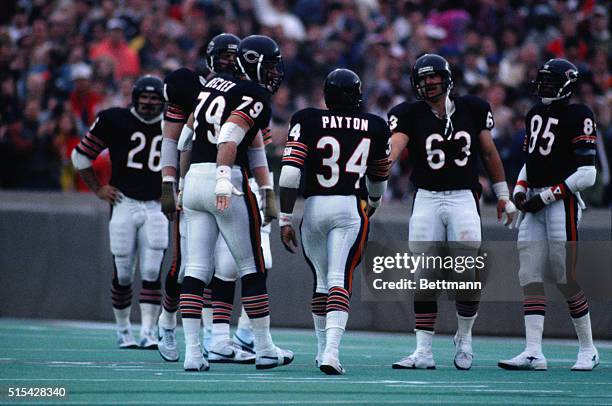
(221, 96)
(181, 89)
(135, 150)
(559, 138)
(336, 149)
(443, 159)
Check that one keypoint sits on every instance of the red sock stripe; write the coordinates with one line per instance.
(191, 306)
(534, 305)
(578, 305)
(318, 305)
(207, 294)
(121, 296)
(256, 306)
(150, 296)
(171, 304)
(222, 311)
(425, 321)
(337, 299)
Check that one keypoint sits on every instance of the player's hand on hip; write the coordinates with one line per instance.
(268, 203)
(109, 194)
(519, 200)
(534, 205)
(168, 199)
(289, 239)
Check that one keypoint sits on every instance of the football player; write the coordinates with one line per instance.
(336, 148)
(181, 90)
(229, 118)
(138, 230)
(446, 136)
(560, 162)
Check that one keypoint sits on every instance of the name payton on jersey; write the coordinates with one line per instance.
(354, 123)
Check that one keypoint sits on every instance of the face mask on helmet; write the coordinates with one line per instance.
(223, 62)
(432, 85)
(550, 86)
(272, 74)
(149, 105)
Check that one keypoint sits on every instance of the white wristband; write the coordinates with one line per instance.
(224, 171)
(501, 190)
(285, 219)
(548, 197)
(169, 178)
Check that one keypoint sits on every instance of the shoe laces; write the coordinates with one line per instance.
(169, 339)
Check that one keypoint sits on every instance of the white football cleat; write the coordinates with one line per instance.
(195, 363)
(463, 353)
(228, 353)
(416, 360)
(330, 365)
(125, 339)
(273, 357)
(167, 344)
(148, 340)
(244, 339)
(525, 362)
(587, 360)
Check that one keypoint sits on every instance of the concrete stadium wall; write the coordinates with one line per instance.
(55, 263)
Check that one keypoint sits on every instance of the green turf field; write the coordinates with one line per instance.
(82, 358)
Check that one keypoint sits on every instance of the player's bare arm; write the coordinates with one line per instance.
(399, 141)
(232, 132)
(107, 193)
(495, 170)
(184, 147)
(258, 163)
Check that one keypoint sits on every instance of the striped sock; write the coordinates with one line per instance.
(338, 299)
(121, 295)
(151, 292)
(256, 306)
(578, 305)
(534, 305)
(425, 315)
(319, 303)
(191, 301)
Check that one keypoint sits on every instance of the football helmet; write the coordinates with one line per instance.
(342, 90)
(555, 80)
(153, 106)
(221, 53)
(426, 65)
(260, 60)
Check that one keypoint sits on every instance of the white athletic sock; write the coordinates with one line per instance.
(464, 327)
(148, 317)
(534, 327)
(424, 338)
(583, 331)
(319, 326)
(207, 318)
(122, 318)
(244, 322)
(167, 320)
(261, 333)
(335, 324)
(191, 328)
(220, 333)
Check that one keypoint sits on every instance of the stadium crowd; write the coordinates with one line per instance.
(62, 61)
